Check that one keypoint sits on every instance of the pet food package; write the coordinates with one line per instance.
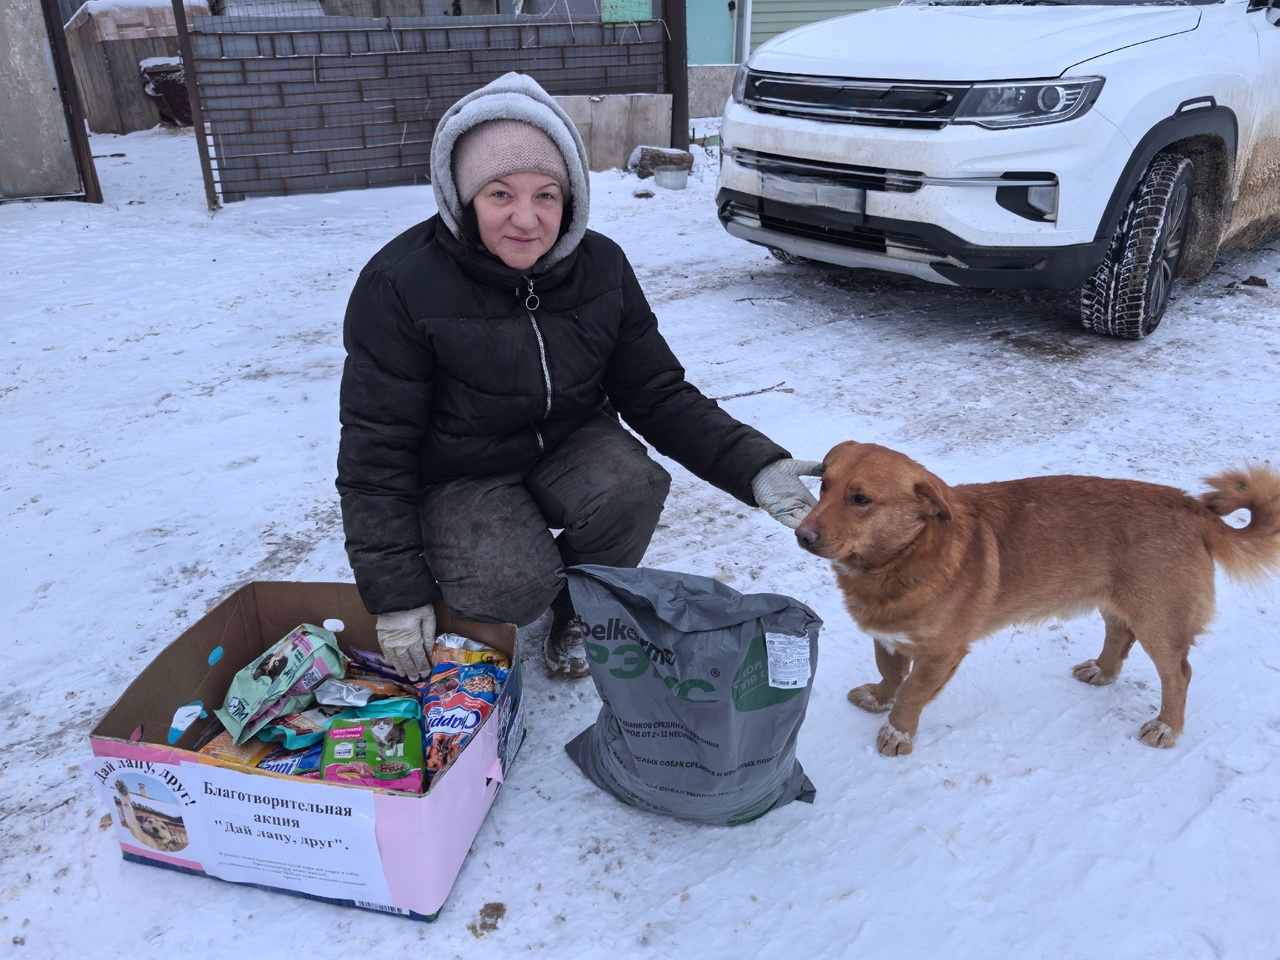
(704, 690)
(351, 698)
(383, 752)
(454, 648)
(481, 680)
(281, 680)
(249, 754)
(356, 691)
(303, 762)
(308, 727)
(456, 698)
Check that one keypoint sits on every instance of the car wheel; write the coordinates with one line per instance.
(1128, 293)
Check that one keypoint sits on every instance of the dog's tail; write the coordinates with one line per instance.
(1250, 553)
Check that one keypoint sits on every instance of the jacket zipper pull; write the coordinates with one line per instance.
(531, 301)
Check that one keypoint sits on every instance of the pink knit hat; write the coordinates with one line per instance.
(496, 148)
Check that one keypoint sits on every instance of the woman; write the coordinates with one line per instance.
(490, 351)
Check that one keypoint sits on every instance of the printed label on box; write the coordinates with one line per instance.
(258, 830)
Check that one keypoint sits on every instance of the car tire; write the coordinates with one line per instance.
(1128, 293)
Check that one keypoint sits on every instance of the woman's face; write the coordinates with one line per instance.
(519, 217)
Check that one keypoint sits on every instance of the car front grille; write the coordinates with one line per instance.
(858, 236)
(928, 106)
(842, 174)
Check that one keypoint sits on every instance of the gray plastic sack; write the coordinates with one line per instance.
(703, 689)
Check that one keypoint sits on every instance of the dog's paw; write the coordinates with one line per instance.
(892, 742)
(1090, 672)
(864, 698)
(1157, 733)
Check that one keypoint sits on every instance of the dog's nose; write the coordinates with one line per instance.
(806, 535)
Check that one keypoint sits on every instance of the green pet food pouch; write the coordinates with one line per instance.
(281, 681)
(379, 752)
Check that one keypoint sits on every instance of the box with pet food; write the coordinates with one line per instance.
(355, 845)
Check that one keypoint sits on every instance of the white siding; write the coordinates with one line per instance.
(772, 17)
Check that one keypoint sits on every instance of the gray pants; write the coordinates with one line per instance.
(489, 541)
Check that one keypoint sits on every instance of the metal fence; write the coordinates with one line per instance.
(306, 104)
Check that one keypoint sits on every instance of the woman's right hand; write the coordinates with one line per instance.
(406, 638)
(779, 490)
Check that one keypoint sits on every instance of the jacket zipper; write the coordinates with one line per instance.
(531, 304)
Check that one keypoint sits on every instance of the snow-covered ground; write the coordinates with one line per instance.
(169, 401)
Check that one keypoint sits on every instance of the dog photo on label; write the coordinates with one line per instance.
(926, 569)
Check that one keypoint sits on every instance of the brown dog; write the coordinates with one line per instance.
(926, 569)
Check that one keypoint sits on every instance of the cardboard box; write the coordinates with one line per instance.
(356, 846)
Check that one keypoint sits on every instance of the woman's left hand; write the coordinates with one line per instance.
(778, 489)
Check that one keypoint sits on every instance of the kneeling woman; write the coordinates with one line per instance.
(490, 353)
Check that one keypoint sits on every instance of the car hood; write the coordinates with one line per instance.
(966, 43)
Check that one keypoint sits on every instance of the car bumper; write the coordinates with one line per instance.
(905, 247)
(945, 205)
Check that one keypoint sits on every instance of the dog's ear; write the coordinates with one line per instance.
(932, 492)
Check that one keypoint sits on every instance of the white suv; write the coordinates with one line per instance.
(1105, 146)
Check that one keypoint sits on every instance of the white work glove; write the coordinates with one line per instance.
(406, 638)
(779, 490)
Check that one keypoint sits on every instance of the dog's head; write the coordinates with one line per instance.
(874, 502)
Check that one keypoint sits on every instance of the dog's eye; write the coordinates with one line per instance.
(860, 500)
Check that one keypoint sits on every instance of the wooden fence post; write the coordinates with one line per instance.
(677, 71)
(193, 96)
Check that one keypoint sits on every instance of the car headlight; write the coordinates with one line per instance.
(739, 90)
(1027, 103)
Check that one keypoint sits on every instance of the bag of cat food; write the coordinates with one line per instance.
(351, 698)
(382, 752)
(308, 727)
(281, 680)
(456, 698)
(358, 691)
(481, 680)
(371, 664)
(304, 762)
(222, 747)
(455, 648)
(704, 690)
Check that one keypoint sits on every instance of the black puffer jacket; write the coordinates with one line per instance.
(449, 373)
(453, 369)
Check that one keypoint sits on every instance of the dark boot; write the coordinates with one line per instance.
(565, 651)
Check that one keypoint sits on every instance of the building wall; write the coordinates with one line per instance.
(711, 30)
(709, 87)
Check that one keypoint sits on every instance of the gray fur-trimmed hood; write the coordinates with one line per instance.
(512, 96)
